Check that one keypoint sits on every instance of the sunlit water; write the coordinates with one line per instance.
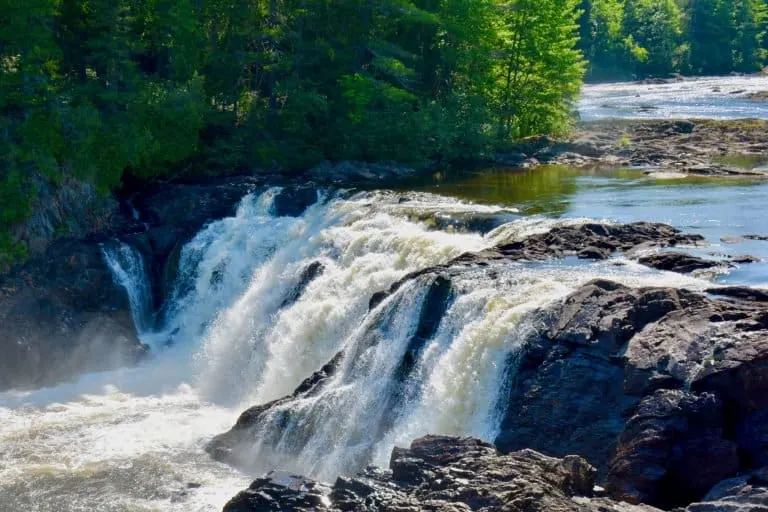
(236, 333)
(713, 97)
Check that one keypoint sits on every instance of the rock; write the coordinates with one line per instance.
(308, 274)
(740, 292)
(62, 314)
(357, 173)
(588, 241)
(189, 206)
(678, 262)
(441, 473)
(68, 209)
(293, 201)
(674, 440)
(605, 380)
(761, 238)
(279, 491)
(745, 259)
(758, 96)
(747, 493)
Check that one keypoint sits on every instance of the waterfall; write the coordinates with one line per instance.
(261, 302)
(129, 271)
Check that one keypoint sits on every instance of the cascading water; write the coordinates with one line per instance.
(129, 271)
(260, 303)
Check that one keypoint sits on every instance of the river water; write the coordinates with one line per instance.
(715, 98)
(236, 334)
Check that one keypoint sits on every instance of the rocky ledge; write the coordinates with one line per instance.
(453, 474)
(664, 390)
(684, 147)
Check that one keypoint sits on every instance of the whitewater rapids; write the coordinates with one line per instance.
(242, 329)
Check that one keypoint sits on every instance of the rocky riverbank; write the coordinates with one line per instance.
(683, 147)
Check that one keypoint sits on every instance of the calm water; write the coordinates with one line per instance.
(723, 210)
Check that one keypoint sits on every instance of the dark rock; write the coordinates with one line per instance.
(61, 315)
(672, 450)
(760, 238)
(678, 262)
(605, 381)
(293, 201)
(588, 241)
(279, 491)
(747, 493)
(189, 206)
(443, 474)
(358, 173)
(309, 274)
(740, 292)
(745, 259)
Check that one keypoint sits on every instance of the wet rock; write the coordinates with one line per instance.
(678, 262)
(740, 292)
(762, 238)
(189, 206)
(308, 274)
(745, 259)
(588, 241)
(442, 474)
(352, 172)
(606, 380)
(62, 314)
(279, 491)
(747, 493)
(293, 201)
(672, 450)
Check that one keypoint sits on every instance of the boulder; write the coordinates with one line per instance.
(441, 473)
(678, 262)
(608, 378)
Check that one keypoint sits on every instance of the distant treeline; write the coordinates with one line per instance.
(95, 90)
(624, 39)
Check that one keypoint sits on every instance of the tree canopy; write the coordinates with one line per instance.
(638, 38)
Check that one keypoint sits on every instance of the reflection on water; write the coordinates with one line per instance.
(715, 207)
(742, 161)
(544, 190)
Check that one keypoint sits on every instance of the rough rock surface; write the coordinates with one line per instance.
(588, 241)
(664, 390)
(650, 385)
(442, 474)
(61, 315)
(692, 147)
(747, 493)
(679, 262)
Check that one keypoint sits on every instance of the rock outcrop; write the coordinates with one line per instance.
(592, 241)
(62, 314)
(689, 147)
(663, 390)
(442, 474)
(650, 385)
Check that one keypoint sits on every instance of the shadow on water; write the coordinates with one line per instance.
(554, 190)
(535, 191)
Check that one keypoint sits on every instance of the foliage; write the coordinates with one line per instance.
(637, 38)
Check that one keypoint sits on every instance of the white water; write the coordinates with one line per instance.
(132, 439)
(128, 271)
(709, 97)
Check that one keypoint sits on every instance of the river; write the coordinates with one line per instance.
(236, 335)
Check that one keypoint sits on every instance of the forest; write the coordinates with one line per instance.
(100, 91)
